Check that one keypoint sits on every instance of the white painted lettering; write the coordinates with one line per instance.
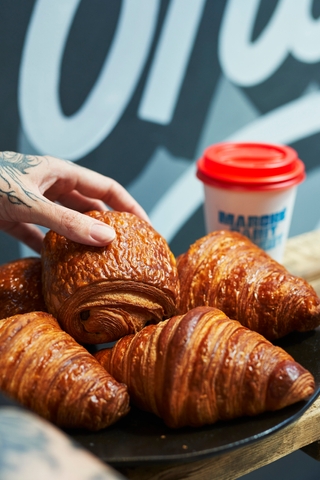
(291, 30)
(43, 121)
(170, 61)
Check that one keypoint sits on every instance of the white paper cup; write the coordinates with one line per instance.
(251, 188)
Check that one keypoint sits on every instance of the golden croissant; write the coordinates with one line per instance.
(99, 294)
(226, 270)
(21, 287)
(47, 371)
(201, 367)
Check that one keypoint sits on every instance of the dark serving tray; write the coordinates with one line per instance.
(142, 438)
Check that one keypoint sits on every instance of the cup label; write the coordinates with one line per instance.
(262, 230)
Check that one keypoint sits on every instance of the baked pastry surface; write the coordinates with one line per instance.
(226, 270)
(201, 367)
(21, 287)
(47, 371)
(99, 294)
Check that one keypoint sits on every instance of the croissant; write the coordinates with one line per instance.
(226, 270)
(201, 367)
(44, 369)
(21, 287)
(99, 294)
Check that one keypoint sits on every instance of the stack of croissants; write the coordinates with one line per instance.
(188, 338)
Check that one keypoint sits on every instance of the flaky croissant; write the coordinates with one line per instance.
(44, 369)
(201, 367)
(21, 287)
(226, 270)
(99, 294)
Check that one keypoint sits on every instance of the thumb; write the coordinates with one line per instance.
(75, 226)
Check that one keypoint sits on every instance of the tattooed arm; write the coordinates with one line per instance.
(47, 191)
(31, 448)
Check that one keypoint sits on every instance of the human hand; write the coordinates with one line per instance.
(47, 191)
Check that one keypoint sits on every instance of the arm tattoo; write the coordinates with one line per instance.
(32, 446)
(12, 167)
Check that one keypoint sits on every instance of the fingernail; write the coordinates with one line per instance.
(102, 233)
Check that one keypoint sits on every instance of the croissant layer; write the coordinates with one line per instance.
(100, 294)
(47, 371)
(21, 287)
(201, 367)
(227, 271)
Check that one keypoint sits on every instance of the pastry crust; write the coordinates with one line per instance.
(44, 369)
(226, 270)
(201, 367)
(21, 287)
(99, 294)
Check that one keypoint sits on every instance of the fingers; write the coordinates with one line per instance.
(95, 186)
(31, 200)
(119, 199)
(76, 201)
(74, 225)
(26, 233)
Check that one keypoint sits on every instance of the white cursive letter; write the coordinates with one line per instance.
(43, 121)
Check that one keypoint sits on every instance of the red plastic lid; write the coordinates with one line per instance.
(250, 166)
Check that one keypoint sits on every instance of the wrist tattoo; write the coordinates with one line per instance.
(12, 168)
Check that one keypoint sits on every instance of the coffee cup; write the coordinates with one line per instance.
(251, 188)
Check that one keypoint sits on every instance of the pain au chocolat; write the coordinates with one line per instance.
(100, 294)
(21, 287)
(201, 367)
(226, 270)
(47, 371)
